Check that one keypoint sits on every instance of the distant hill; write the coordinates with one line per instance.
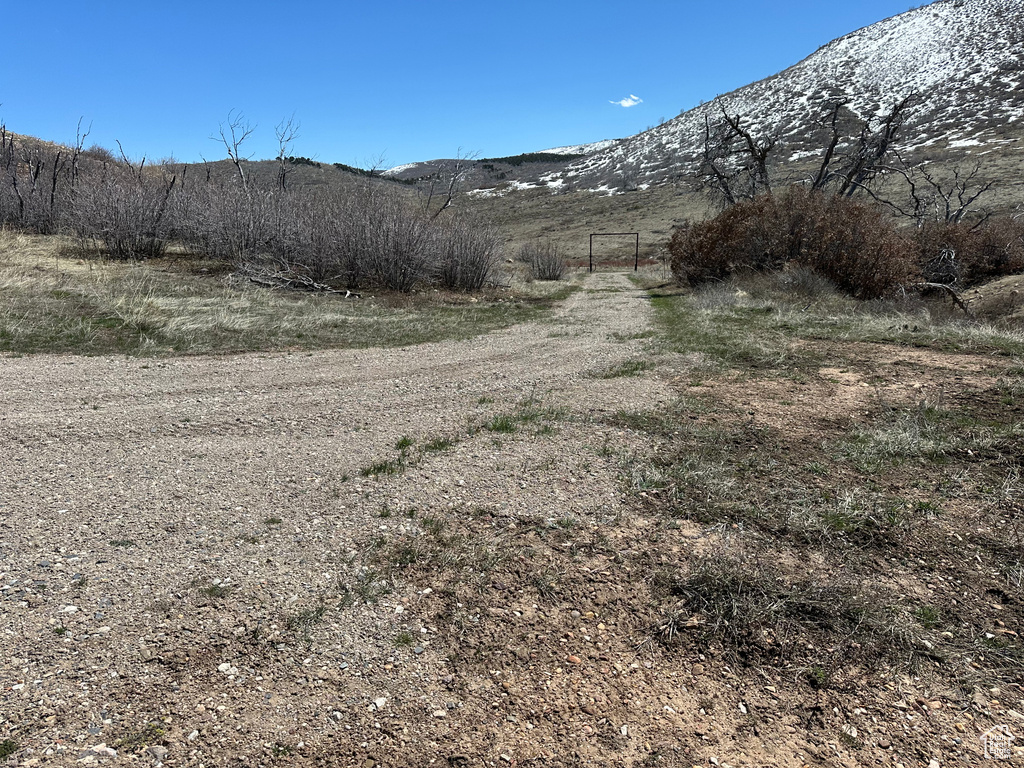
(526, 170)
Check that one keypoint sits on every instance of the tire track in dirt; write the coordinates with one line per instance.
(138, 495)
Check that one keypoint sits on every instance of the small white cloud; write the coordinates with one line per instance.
(631, 101)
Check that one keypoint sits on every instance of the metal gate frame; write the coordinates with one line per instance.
(636, 260)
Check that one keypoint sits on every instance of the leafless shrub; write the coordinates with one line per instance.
(545, 260)
(371, 235)
(466, 254)
(126, 209)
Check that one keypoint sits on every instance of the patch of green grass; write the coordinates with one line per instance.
(304, 619)
(928, 616)
(404, 444)
(122, 543)
(383, 467)
(438, 444)
(502, 423)
(8, 747)
(151, 733)
(623, 369)
(215, 591)
(274, 520)
(404, 639)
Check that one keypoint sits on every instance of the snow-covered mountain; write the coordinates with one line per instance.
(962, 61)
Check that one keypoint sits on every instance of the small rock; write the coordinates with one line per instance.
(933, 764)
(379, 703)
(157, 752)
(224, 667)
(575, 660)
(698, 669)
(193, 736)
(418, 650)
(624, 730)
(743, 708)
(439, 713)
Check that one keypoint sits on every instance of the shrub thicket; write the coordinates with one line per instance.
(853, 244)
(374, 236)
(856, 245)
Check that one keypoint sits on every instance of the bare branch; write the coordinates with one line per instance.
(232, 136)
(286, 132)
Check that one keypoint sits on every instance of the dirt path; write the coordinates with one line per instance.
(184, 543)
(429, 556)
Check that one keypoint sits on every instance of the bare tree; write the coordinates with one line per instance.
(286, 132)
(862, 165)
(232, 135)
(446, 181)
(76, 152)
(734, 162)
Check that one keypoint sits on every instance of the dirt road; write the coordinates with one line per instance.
(187, 545)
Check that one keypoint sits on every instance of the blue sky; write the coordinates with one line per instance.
(402, 80)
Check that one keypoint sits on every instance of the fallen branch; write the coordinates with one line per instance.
(949, 290)
(293, 281)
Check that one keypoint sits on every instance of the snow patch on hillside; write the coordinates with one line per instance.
(399, 169)
(580, 149)
(960, 61)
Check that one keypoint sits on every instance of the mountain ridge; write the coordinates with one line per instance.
(964, 59)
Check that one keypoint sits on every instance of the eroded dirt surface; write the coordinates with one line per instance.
(424, 556)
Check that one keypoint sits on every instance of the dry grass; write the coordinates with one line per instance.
(755, 322)
(56, 301)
